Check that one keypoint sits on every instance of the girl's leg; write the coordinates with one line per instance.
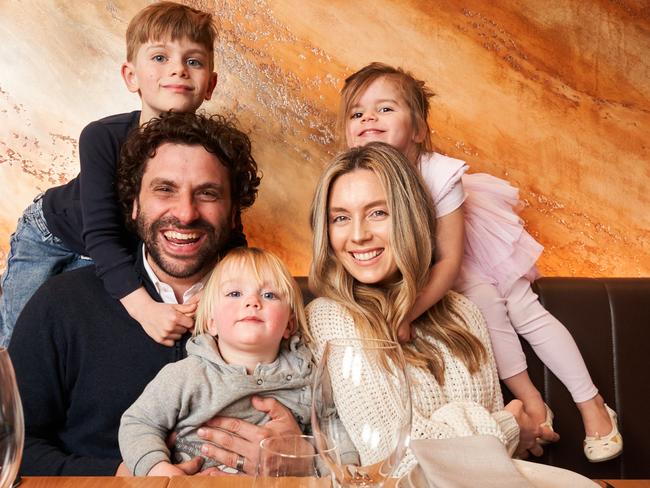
(555, 346)
(34, 255)
(521, 386)
(510, 358)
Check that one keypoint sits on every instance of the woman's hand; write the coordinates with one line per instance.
(235, 437)
(529, 431)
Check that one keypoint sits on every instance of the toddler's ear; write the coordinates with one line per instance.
(291, 327)
(212, 327)
(130, 78)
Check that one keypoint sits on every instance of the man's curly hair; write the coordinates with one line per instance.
(217, 134)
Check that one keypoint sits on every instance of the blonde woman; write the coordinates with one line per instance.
(373, 249)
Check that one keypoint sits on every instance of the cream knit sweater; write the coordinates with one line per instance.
(465, 405)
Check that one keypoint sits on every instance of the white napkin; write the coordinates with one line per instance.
(466, 462)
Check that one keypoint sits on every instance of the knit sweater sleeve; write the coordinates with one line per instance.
(146, 424)
(485, 414)
(462, 407)
(507, 425)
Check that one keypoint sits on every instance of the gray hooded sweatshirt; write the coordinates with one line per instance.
(186, 394)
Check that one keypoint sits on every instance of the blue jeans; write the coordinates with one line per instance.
(34, 255)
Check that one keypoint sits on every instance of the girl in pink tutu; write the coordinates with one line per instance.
(482, 248)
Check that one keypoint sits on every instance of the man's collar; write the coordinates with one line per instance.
(164, 290)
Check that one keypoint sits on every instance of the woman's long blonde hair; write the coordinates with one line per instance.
(378, 309)
(266, 267)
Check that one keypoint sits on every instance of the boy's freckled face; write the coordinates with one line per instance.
(170, 75)
(249, 316)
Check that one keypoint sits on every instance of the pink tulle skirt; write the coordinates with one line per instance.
(497, 247)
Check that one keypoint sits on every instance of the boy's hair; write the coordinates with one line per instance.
(266, 267)
(378, 309)
(416, 95)
(217, 134)
(172, 20)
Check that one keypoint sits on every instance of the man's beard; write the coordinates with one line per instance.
(203, 260)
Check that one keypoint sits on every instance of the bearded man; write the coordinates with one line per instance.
(80, 359)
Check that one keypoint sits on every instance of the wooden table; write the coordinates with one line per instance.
(231, 482)
(91, 482)
(198, 482)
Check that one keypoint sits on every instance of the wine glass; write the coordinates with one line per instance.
(291, 459)
(361, 410)
(11, 422)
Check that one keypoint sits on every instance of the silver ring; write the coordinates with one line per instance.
(240, 462)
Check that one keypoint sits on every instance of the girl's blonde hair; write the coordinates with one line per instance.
(267, 268)
(378, 309)
(415, 93)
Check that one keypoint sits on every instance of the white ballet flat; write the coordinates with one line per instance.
(603, 448)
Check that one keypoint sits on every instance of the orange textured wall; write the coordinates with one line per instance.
(554, 96)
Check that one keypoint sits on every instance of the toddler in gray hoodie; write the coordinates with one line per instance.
(247, 341)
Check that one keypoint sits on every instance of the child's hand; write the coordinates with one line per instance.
(167, 469)
(529, 431)
(164, 323)
(405, 332)
(195, 298)
(192, 301)
(122, 471)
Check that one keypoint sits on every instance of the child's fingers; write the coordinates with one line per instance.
(184, 321)
(195, 299)
(186, 307)
(192, 466)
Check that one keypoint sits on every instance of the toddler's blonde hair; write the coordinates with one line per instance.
(267, 268)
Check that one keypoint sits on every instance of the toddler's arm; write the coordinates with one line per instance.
(164, 323)
(450, 233)
(146, 424)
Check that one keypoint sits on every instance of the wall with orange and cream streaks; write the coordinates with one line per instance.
(554, 96)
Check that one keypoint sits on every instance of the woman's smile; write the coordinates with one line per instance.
(360, 226)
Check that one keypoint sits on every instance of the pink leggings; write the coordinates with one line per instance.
(519, 313)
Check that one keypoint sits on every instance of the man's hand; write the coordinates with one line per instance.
(164, 323)
(529, 431)
(235, 437)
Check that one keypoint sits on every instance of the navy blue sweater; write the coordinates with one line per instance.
(80, 361)
(85, 214)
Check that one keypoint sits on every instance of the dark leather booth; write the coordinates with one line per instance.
(610, 321)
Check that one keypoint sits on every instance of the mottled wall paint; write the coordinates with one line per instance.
(554, 96)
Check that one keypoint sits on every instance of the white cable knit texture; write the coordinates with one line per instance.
(467, 404)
